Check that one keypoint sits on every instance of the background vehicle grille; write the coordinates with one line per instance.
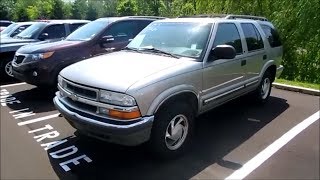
(19, 59)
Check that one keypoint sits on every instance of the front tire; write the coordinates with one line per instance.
(172, 130)
(6, 69)
(262, 93)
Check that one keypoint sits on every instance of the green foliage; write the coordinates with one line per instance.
(127, 8)
(57, 12)
(79, 9)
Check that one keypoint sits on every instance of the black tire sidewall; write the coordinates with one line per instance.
(162, 120)
(259, 96)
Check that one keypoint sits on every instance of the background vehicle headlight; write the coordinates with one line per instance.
(39, 56)
(60, 80)
(117, 98)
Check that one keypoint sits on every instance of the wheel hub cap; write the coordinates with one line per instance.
(265, 88)
(176, 132)
(8, 69)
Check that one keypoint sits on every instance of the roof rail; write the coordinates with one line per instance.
(205, 16)
(152, 17)
(226, 16)
(231, 16)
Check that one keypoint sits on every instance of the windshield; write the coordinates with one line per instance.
(8, 29)
(32, 30)
(177, 38)
(87, 31)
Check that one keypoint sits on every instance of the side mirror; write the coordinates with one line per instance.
(223, 52)
(43, 36)
(107, 39)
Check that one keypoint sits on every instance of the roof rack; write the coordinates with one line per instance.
(153, 17)
(231, 16)
(226, 16)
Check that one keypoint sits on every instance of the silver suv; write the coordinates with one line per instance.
(171, 72)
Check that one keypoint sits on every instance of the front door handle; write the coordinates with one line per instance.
(243, 62)
(264, 57)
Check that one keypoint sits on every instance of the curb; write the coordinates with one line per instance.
(309, 91)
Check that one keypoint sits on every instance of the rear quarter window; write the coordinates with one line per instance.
(272, 35)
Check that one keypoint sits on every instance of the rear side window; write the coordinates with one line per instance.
(253, 37)
(55, 31)
(73, 27)
(272, 35)
(228, 34)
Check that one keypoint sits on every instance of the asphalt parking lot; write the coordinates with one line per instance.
(38, 144)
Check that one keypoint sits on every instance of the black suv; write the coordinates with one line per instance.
(44, 31)
(40, 64)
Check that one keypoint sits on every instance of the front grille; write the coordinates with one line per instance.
(81, 106)
(81, 91)
(18, 59)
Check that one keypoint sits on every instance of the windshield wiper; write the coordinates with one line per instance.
(155, 50)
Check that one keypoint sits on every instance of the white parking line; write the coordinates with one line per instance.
(15, 84)
(255, 162)
(38, 119)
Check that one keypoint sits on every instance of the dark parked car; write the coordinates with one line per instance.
(5, 23)
(45, 31)
(15, 28)
(40, 64)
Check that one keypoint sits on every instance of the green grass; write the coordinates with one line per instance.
(301, 84)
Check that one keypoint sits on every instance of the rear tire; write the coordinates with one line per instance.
(262, 93)
(172, 130)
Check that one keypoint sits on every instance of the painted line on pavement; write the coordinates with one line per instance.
(255, 162)
(38, 119)
(15, 84)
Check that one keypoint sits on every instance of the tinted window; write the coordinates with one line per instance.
(142, 25)
(272, 35)
(32, 30)
(228, 34)
(73, 27)
(88, 31)
(122, 31)
(253, 37)
(55, 31)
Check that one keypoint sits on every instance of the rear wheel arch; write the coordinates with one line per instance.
(272, 70)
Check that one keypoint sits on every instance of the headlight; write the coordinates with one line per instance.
(116, 98)
(36, 57)
(60, 80)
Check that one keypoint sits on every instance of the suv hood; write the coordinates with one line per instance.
(49, 46)
(117, 71)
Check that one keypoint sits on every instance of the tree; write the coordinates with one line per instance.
(79, 9)
(57, 12)
(7, 9)
(127, 8)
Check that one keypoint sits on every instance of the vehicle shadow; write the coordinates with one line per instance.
(218, 132)
(36, 99)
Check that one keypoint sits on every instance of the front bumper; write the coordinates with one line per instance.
(132, 134)
(279, 71)
(26, 73)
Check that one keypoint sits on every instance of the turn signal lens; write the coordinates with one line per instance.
(47, 55)
(124, 115)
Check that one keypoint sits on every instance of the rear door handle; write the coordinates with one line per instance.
(243, 62)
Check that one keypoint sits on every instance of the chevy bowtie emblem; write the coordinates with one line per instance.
(74, 97)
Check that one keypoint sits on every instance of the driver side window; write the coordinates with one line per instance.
(122, 31)
(55, 31)
(227, 34)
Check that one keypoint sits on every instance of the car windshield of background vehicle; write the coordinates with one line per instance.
(31, 31)
(186, 39)
(88, 31)
(8, 29)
